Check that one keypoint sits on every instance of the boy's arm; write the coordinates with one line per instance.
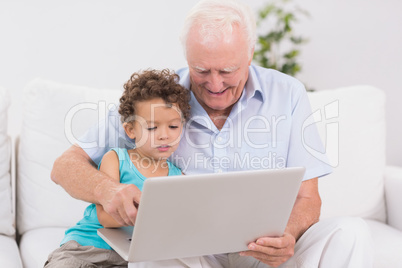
(109, 166)
(76, 173)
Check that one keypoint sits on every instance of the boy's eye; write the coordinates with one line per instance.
(151, 128)
(174, 126)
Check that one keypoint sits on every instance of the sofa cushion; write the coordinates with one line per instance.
(9, 253)
(352, 126)
(387, 244)
(6, 212)
(36, 245)
(54, 116)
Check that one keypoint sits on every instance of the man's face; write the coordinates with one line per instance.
(218, 69)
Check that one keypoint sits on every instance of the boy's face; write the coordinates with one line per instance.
(156, 129)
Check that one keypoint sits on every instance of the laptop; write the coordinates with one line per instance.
(196, 215)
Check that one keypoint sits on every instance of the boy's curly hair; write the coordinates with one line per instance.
(150, 84)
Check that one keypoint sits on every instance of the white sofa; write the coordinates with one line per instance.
(9, 254)
(351, 122)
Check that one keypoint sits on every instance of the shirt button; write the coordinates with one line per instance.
(219, 139)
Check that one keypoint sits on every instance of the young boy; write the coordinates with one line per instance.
(153, 109)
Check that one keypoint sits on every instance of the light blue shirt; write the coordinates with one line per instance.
(265, 129)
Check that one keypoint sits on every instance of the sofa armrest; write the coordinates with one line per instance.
(393, 196)
(13, 172)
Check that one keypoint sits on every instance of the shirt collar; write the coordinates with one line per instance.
(253, 87)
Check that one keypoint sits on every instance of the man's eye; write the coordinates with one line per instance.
(203, 71)
(151, 128)
(226, 72)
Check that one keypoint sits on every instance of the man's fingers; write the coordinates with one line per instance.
(116, 215)
(129, 196)
(124, 203)
(130, 212)
(273, 242)
(275, 252)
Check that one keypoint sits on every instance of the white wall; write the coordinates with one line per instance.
(358, 42)
(100, 43)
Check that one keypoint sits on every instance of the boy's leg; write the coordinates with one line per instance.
(73, 255)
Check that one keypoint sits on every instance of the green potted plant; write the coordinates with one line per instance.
(278, 46)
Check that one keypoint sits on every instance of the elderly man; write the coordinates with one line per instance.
(240, 114)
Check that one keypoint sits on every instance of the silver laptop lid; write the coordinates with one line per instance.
(184, 216)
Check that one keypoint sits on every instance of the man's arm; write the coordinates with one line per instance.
(276, 250)
(307, 209)
(76, 173)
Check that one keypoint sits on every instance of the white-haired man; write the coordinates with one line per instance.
(241, 114)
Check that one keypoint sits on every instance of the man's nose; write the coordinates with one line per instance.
(216, 82)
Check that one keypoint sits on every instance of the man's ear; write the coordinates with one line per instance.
(129, 129)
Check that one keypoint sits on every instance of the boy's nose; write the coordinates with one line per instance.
(163, 135)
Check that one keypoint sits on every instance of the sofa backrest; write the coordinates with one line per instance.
(6, 208)
(54, 115)
(351, 122)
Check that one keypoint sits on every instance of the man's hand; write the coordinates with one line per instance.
(272, 251)
(120, 201)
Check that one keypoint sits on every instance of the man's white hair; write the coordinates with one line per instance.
(216, 18)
